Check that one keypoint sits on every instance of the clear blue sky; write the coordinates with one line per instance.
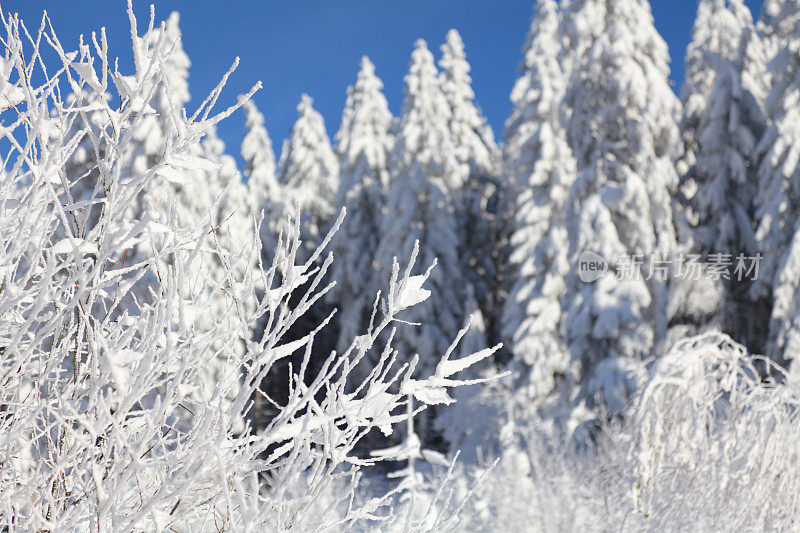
(314, 46)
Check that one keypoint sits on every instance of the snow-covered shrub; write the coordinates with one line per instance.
(539, 485)
(716, 421)
(710, 442)
(104, 350)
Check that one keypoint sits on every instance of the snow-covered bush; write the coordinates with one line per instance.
(716, 421)
(710, 442)
(104, 350)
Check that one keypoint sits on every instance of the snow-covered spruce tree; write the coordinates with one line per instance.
(262, 185)
(726, 79)
(419, 207)
(100, 426)
(542, 169)
(481, 234)
(308, 173)
(777, 206)
(726, 172)
(364, 144)
(777, 23)
(624, 137)
(717, 31)
(266, 206)
(777, 171)
(308, 177)
(472, 136)
(477, 199)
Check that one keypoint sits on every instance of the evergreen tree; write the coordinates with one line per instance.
(702, 304)
(264, 193)
(777, 24)
(308, 173)
(717, 32)
(729, 127)
(577, 32)
(542, 170)
(364, 144)
(624, 136)
(472, 136)
(728, 132)
(779, 173)
(419, 209)
(777, 206)
(476, 200)
(308, 178)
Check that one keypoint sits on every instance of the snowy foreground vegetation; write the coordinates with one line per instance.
(395, 333)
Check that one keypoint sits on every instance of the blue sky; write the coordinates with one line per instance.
(314, 46)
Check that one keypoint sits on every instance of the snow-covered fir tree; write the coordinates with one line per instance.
(308, 180)
(308, 174)
(419, 208)
(364, 145)
(779, 173)
(472, 136)
(777, 23)
(624, 136)
(717, 32)
(577, 31)
(257, 153)
(542, 170)
(259, 169)
(697, 304)
(777, 206)
(476, 200)
(728, 131)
